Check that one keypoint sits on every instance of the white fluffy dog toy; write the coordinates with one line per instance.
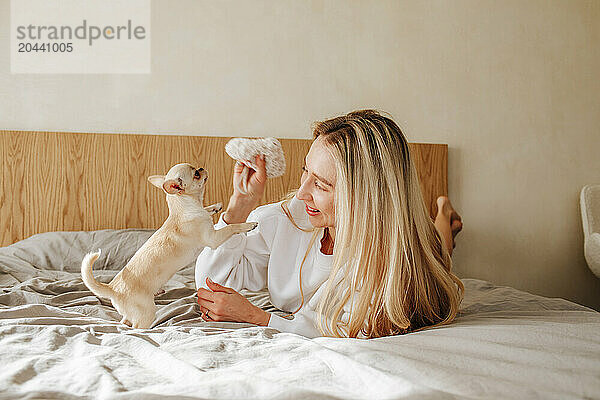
(247, 149)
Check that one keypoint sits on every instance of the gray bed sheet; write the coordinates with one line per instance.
(58, 340)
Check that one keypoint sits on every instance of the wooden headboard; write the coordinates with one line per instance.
(53, 181)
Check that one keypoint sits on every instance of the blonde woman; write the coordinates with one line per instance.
(353, 253)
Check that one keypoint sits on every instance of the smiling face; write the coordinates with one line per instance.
(317, 185)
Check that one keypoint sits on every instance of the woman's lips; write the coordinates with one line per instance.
(312, 211)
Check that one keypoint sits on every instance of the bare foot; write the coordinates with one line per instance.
(448, 214)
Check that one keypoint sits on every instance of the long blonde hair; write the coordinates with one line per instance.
(389, 263)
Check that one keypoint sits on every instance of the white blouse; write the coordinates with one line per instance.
(269, 257)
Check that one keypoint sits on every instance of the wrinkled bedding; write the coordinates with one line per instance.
(58, 340)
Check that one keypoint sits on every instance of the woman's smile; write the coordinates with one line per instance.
(311, 211)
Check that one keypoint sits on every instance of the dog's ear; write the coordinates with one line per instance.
(157, 180)
(172, 186)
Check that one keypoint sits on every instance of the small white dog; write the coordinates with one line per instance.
(174, 245)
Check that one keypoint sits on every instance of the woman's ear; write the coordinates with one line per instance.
(157, 180)
(172, 186)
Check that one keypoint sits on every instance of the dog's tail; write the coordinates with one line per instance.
(98, 288)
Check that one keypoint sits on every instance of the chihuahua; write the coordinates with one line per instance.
(188, 228)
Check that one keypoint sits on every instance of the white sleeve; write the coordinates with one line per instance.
(305, 321)
(241, 262)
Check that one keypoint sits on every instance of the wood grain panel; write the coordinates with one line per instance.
(431, 162)
(54, 181)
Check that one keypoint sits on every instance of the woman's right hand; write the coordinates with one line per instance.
(240, 204)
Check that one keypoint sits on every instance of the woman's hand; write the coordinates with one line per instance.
(240, 205)
(224, 304)
(256, 178)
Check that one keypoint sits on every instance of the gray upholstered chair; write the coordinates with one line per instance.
(590, 215)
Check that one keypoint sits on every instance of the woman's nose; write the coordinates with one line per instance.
(302, 193)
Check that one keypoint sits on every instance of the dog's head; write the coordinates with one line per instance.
(182, 179)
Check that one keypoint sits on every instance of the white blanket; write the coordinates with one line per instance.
(57, 340)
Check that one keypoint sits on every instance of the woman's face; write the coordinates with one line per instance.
(317, 186)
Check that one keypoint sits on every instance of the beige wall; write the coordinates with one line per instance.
(512, 86)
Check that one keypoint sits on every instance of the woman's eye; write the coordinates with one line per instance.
(317, 185)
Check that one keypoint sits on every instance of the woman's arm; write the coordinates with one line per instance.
(240, 262)
(221, 303)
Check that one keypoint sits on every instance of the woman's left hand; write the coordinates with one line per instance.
(221, 303)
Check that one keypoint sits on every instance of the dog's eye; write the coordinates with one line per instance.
(197, 174)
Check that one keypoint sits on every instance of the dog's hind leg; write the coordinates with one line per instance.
(145, 313)
(144, 323)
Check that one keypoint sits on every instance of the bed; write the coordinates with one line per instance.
(65, 193)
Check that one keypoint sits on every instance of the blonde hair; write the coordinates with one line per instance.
(389, 265)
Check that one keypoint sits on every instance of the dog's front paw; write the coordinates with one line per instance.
(248, 226)
(215, 208)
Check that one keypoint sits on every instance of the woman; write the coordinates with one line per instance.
(352, 254)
